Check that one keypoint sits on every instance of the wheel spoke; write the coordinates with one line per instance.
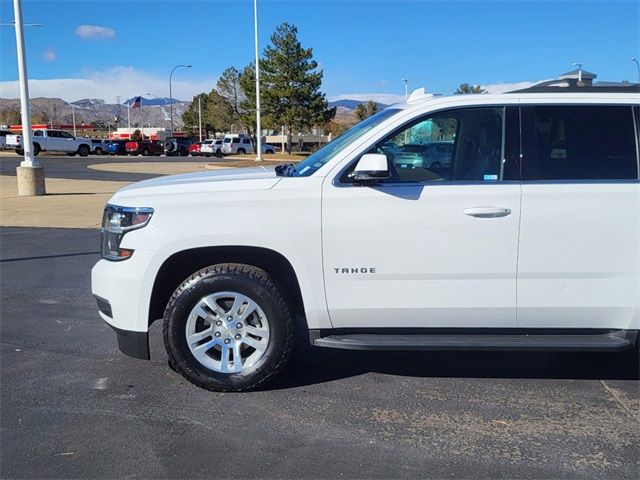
(197, 336)
(200, 350)
(213, 306)
(237, 357)
(256, 331)
(255, 343)
(203, 313)
(225, 362)
(237, 303)
(249, 309)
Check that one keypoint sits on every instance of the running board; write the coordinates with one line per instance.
(605, 342)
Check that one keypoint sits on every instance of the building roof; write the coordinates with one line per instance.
(576, 72)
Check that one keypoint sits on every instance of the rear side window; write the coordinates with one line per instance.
(579, 143)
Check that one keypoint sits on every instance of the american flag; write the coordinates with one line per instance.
(136, 103)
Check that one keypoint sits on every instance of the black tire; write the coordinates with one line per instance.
(268, 151)
(207, 155)
(241, 151)
(19, 151)
(83, 150)
(219, 153)
(72, 154)
(145, 152)
(98, 151)
(36, 149)
(247, 280)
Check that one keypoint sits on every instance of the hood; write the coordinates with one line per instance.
(236, 179)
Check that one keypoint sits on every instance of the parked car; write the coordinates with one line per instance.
(117, 147)
(177, 146)
(211, 147)
(144, 147)
(50, 140)
(432, 155)
(527, 241)
(236, 144)
(194, 149)
(268, 149)
(3, 135)
(99, 146)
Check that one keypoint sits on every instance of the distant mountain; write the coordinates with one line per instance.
(94, 111)
(352, 104)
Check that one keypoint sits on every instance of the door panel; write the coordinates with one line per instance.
(433, 265)
(435, 245)
(579, 254)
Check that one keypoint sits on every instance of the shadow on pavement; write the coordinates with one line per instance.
(312, 365)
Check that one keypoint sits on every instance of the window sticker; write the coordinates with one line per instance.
(490, 178)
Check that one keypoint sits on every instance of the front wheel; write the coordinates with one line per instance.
(228, 328)
(83, 150)
(241, 151)
(145, 153)
(98, 151)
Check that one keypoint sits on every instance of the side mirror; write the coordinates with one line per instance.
(371, 168)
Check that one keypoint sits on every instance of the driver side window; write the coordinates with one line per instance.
(456, 145)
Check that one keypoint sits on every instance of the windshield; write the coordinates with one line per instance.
(313, 162)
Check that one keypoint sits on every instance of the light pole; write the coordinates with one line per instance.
(160, 108)
(73, 115)
(30, 174)
(171, 93)
(258, 126)
(406, 89)
(635, 60)
(579, 65)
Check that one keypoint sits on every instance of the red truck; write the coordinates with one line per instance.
(144, 147)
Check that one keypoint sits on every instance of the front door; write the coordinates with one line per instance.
(436, 244)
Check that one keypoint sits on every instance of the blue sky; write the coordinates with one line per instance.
(364, 47)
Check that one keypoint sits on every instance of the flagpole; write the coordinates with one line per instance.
(129, 116)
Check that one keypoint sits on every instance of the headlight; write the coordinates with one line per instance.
(116, 222)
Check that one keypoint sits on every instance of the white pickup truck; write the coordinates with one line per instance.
(49, 140)
(527, 237)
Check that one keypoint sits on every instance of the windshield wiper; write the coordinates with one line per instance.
(286, 170)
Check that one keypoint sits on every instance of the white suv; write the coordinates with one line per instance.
(526, 238)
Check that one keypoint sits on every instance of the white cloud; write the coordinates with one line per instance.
(94, 32)
(50, 55)
(509, 87)
(117, 81)
(386, 98)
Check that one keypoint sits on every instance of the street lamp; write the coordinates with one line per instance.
(635, 60)
(258, 126)
(171, 94)
(30, 174)
(160, 108)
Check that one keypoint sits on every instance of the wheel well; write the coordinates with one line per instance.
(182, 264)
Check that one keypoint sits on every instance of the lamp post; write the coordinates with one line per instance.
(171, 93)
(635, 60)
(258, 126)
(160, 108)
(30, 174)
(406, 89)
(73, 115)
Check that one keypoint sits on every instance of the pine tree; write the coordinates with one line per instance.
(290, 84)
(247, 81)
(466, 88)
(365, 110)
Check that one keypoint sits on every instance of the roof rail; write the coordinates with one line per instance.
(418, 94)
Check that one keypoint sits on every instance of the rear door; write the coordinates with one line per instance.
(579, 239)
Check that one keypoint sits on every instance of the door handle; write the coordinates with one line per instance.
(487, 212)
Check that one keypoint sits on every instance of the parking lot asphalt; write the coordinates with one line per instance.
(75, 168)
(72, 406)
